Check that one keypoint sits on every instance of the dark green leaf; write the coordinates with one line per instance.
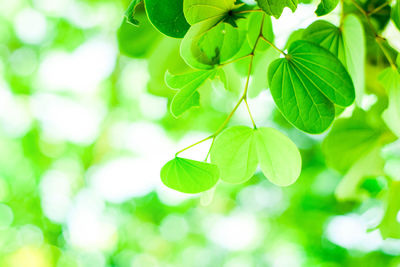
(326, 7)
(307, 83)
(167, 16)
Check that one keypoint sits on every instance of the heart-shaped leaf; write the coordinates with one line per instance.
(189, 176)
(347, 43)
(307, 83)
(238, 150)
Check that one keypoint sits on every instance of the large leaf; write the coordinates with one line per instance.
(307, 83)
(279, 158)
(347, 43)
(166, 56)
(390, 79)
(200, 10)
(167, 16)
(234, 153)
(326, 7)
(189, 176)
(349, 140)
(275, 7)
(138, 42)
(188, 83)
(238, 150)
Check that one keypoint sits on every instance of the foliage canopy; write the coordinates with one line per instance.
(316, 77)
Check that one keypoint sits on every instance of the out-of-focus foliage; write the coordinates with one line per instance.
(85, 128)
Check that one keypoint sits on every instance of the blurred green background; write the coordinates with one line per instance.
(85, 129)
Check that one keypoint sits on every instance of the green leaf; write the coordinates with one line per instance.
(349, 140)
(307, 83)
(326, 7)
(188, 83)
(390, 79)
(166, 56)
(130, 12)
(189, 176)
(279, 158)
(275, 7)
(200, 10)
(395, 14)
(167, 16)
(390, 226)
(138, 42)
(346, 43)
(206, 44)
(238, 150)
(234, 153)
(369, 165)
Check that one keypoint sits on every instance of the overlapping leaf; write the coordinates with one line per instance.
(307, 83)
(275, 7)
(347, 43)
(188, 83)
(238, 151)
(167, 16)
(200, 10)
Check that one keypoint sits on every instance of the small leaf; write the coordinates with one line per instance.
(326, 7)
(275, 7)
(307, 83)
(390, 79)
(189, 176)
(130, 12)
(167, 16)
(238, 151)
(235, 154)
(279, 158)
(188, 83)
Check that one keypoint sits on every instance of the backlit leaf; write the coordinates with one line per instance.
(307, 83)
(189, 176)
(188, 84)
(275, 7)
(167, 16)
(238, 151)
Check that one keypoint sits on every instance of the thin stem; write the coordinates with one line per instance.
(242, 98)
(248, 11)
(195, 144)
(379, 41)
(251, 117)
(379, 8)
(271, 44)
(233, 61)
(209, 151)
